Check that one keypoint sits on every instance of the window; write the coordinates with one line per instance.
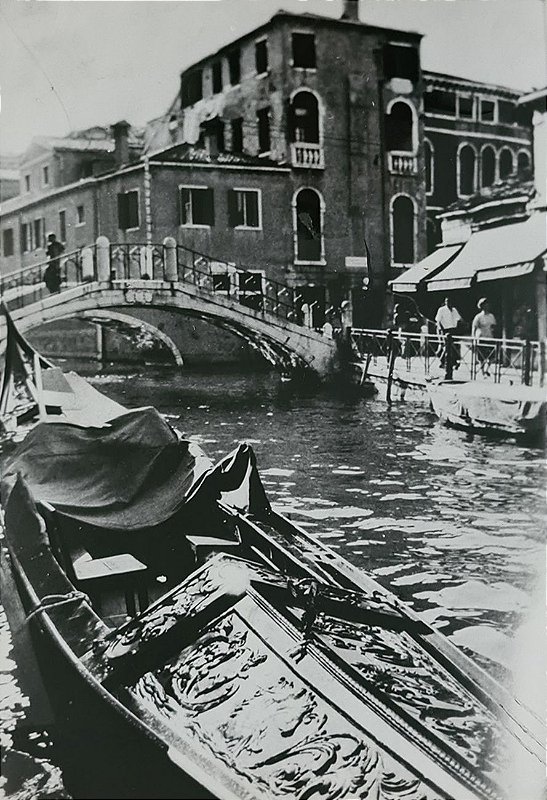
(401, 62)
(303, 50)
(439, 102)
(309, 238)
(45, 175)
(488, 166)
(523, 163)
(507, 164)
(27, 239)
(7, 242)
(399, 128)
(80, 215)
(488, 110)
(234, 66)
(263, 118)
(467, 163)
(196, 206)
(62, 226)
(128, 210)
(39, 233)
(27, 183)
(261, 56)
(429, 167)
(507, 112)
(402, 230)
(244, 208)
(466, 107)
(237, 135)
(87, 169)
(304, 118)
(191, 88)
(217, 77)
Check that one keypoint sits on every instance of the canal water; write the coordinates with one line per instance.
(453, 525)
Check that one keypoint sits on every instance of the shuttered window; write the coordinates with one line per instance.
(261, 56)
(263, 119)
(237, 135)
(39, 233)
(7, 242)
(62, 226)
(128, 210)
(244, 208)
(27, 238)
(196, 206)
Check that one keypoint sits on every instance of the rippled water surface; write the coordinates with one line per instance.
(453, 525)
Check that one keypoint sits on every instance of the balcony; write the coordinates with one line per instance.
(402, 164)
(307, 155)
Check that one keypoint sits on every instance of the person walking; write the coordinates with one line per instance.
(483, 327)
(448, 319)
(52, 275)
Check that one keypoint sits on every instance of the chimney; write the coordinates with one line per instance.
(351, 10)
(120, 133)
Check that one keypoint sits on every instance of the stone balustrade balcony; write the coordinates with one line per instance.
(308, 155)
(402, 164)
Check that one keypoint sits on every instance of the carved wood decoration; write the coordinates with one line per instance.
(230, 694)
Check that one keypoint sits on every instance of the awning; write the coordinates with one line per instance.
(427, 268)
(508, 251)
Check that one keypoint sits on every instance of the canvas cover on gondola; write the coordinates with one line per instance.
(131, 474)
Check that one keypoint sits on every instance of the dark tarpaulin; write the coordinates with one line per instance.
(128, 475)
(132, 474)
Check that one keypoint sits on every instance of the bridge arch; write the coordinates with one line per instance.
(286, 344)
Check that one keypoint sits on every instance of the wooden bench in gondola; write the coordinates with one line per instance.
(95, 575)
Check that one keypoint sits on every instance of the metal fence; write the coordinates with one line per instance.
(427, 355)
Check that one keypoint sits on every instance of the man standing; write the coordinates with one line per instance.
(483, 328)
(448, 319)
(52, 275)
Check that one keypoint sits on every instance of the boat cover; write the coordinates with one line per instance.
(131, 474)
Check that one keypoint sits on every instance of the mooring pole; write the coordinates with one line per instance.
(392, 355)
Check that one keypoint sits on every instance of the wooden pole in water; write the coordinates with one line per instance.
(392, 355)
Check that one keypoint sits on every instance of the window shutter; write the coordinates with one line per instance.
(209, 207)
(233, 216)
(132, 209)
(184, 199)
(122, 212)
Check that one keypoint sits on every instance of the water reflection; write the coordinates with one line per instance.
(453, 526)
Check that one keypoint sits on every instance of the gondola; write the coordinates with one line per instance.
(220, 650)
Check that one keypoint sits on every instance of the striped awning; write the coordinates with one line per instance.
(508, 251)
(427, 268)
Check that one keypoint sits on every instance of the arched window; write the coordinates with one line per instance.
(488, 166)
(308, 226)
(402, 230)
(523, 163)
(304, 118)
(400, 128)
(429, 167)
(506, 163)
(467, 164)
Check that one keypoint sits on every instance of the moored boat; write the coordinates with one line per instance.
(224, 650)
(490, 407)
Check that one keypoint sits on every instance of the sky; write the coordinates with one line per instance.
(68, 65)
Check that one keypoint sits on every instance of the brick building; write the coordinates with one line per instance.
(311, 150)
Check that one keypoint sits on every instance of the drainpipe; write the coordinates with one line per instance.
(147, 200)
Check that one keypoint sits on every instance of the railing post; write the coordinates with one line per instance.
(541, 360)
(170, 271)
(103, 259)
(88, 267)
(527, 360)
(449, 357)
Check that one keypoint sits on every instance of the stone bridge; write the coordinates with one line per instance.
(109, 281)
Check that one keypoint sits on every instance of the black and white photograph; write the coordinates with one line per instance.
(273, 404)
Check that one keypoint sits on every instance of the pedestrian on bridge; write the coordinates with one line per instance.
(52, 275)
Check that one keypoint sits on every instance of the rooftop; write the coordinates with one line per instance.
(189, 154)
(503, 191)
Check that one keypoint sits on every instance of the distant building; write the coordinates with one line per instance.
(312, 150)
(9, 176)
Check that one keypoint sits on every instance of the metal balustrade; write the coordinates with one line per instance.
(140, 261)
(424, 356)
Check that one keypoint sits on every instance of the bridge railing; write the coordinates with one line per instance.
(243, 285)
(425, 355)
(28, 285)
